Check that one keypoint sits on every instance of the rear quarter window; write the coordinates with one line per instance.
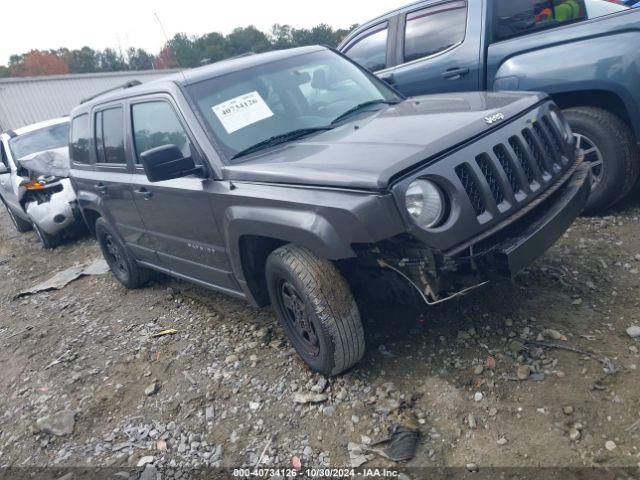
(80, 140)
(513, 18)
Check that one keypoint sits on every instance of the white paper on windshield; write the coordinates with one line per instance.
(242, 111)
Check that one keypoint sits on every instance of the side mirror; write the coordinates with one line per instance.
(3, 169)
(166, 163)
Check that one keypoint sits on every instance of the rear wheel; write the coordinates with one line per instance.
(46, 240)
(120, 261)
(316, 309)
(610, 149)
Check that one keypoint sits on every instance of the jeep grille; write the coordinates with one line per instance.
(512, 171)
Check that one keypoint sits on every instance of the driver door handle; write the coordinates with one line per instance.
(101, 187)
(144, 193)
(455, 73)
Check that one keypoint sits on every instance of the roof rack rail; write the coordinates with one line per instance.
(132, 83)
(242, 55)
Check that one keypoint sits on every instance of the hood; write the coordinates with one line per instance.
(385, 143)
(49, 162)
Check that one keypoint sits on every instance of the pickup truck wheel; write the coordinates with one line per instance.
(316, 309)
(610, 147)
(22, 226)
(46, 240)
(122, 264)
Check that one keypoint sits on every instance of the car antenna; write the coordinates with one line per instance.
(166, 37)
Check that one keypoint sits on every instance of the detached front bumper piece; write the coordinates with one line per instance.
(518, 252)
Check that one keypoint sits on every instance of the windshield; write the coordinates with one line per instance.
(308, 91)
(49, 138)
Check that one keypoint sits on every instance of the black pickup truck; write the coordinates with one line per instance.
(275, 177)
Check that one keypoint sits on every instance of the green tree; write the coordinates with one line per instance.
(247, 39)
(211, 47)
(282, 36)
(4, 71)
(84, 60)
(139, 59)
(184, 51)
(321, 35)
(110, 61)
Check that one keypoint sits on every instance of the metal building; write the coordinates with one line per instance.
(28, 100)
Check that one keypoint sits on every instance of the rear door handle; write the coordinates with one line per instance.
(144, 193)
(101, 187)
(455, 73)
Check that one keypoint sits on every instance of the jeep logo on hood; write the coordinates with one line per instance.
(495, 118)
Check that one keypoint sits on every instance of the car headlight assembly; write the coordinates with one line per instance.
(425, 203)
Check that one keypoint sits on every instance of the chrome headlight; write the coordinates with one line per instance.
(562, 125)
(425, 203)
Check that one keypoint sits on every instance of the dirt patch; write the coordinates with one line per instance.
(469, 373)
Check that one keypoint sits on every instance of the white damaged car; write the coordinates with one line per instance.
(34, 183)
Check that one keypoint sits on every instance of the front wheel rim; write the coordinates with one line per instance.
(115, 255)
(593, 156)
(296, 316)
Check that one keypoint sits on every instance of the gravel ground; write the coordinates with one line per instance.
(85, 383)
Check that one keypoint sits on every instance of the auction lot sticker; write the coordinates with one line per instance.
(242, 111)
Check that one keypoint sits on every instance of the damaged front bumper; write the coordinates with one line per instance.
(518, 252)
(56, 214)
(501, 252)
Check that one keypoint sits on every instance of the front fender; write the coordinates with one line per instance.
(328, 226)
(608, 63)
(304, 228)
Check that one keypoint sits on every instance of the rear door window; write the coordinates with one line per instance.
(370, 49)
(513, 18)
(80, 134)
(156, 124)
(110, 136)
(434, 30)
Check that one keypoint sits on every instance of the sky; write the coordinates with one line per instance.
(43, 24)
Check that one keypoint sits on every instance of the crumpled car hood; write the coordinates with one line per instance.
(369, 151)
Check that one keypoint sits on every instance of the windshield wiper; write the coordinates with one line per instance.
(361, 106)
(279, 139)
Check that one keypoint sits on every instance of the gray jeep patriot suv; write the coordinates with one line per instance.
(274, 177)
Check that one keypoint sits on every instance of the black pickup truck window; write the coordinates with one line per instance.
(519, 17)
(434, 30)
(371, 50)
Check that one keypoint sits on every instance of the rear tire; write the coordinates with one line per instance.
(611, 148)
(316, 309)
(22, 226)
(47, 241)
(122, 264)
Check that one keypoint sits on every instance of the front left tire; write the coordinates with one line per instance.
(47, 241)
(316, 309)
(22, 226)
